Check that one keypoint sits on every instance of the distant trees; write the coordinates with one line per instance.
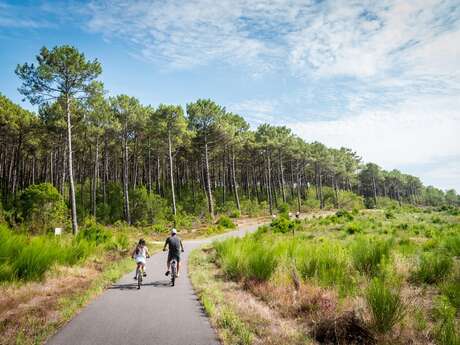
(123, 154)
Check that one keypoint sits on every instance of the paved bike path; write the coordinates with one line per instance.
(157, 314)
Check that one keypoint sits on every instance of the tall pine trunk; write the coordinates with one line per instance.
(235, 187)
(269, 184)
(73, 204)
(95, 177)
(171, 175)
(125, 176)
(208, 180)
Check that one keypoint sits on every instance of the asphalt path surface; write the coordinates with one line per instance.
(157, 314)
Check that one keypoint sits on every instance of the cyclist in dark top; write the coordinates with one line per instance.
(175, 247)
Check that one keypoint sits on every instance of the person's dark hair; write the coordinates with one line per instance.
(141, 243)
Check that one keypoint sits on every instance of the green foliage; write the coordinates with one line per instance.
(451, 243)
(349, 201)
(347, 216)
(94, 233)
(226, 222)
(353, 228)
(42, 207)
(229, 320)
(283, 207)
(451, 290)
(447, 328)
(283, 225)
(368, 254)
(261, 261)
(235, 214)
(385, 305)
(433, 267)
(148, 208)
(327, 262)
(215, 230)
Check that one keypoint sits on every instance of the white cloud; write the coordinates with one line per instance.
(255, 111)
(415, 133)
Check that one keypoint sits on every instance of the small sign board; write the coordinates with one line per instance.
(57, 231)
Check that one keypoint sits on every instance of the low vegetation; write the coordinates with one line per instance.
(390, 280)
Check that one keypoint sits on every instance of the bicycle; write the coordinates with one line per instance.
(173, 271)
(140, 275)
(139, 278)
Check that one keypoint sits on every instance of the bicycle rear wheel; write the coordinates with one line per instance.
(173, 273)
(139, 279)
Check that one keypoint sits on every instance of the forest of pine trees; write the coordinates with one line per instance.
(116, 159)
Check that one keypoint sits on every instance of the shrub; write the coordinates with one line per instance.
(433, 267)
(148, 208)
(235, 214)
(446, 331)
(349, 200)
(344, 214)
(93, 232)
(368, 254)
(353, 228)
(215, 229)
(41, 206)
(226, 222)
(283, 207)
(160, 228)
(283, 225)
(389, 214)
(385, 305)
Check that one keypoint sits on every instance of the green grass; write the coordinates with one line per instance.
(447, 327)
(28, 258)
(226, 222)
(433, 267)
(385, 305)
(231, 328)
(369, 253)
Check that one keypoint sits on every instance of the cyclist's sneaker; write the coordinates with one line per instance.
(135, 278)
(177, 275)
(144, 274)
(167, 273)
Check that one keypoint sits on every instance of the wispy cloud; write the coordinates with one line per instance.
(18, 16)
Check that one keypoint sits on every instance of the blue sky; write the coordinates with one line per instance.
(381, 77)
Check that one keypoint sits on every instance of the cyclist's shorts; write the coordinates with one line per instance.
(172, 257)
(140, 259)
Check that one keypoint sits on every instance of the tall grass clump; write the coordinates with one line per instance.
(328, 263)
(432, 268)
(447, 330)
(261, 260)
(368, 254)
(451, 289)
(36, 258)
(247, 258)
(385, 305)
(230, 257)
(452, 244)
